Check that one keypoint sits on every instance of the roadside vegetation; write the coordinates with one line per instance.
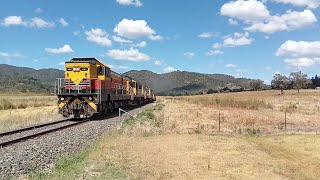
(178, 138)
(25, 110)
(24, 101)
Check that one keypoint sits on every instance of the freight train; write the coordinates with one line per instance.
(91, 87)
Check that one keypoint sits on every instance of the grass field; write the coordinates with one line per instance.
(25, 110)
(178, 139)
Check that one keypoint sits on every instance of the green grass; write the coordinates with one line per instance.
(74, 167)
(65, 168)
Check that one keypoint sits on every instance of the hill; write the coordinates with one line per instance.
(15, 79)
(23, 79)
(183, 82)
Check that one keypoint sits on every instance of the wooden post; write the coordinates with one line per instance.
(285, 119)
(219, 121)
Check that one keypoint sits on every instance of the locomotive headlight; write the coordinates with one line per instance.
(78, 69)
(74, 69)
(90, 98)
(62, 99)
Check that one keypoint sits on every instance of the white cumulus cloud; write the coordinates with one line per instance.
(214, 52)
(312, 4)
(118, 67)
(168, 69)
(10, 55)
(129, 54)
(38, 10)
(13, 21)
(120, 40)
(33, 22)
(98, 36)
(233, 22)
(249, 10)
(189, 54)
(303, 54)
(258, 19)
(133, 29)
(136, 3)
(231, 66)
(76, 33)
(155, 37)
(65, 49)
(292, 20)
(206, 35)
(141, 44)
(157, 63)
(238, 39)
(299, 49)
(301, 62)
(40, 23)
(216, 46)
(63, 22)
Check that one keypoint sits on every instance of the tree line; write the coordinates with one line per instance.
(296, 80)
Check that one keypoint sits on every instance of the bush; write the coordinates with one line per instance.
(290, 107)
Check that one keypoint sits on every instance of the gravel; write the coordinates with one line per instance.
(40, 153)
(34, 131)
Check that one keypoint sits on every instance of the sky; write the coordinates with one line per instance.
(242, 38)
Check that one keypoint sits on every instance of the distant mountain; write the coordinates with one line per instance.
(23, 79)
(183, 82)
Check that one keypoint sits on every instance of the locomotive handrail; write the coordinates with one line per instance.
(61, 87)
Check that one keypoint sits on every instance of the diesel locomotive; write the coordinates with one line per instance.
(91, 87)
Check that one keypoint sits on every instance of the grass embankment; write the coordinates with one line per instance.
(153, 146)
(25, 110)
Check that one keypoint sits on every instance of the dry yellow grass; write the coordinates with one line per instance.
(191, 113)
(16, 118)
(199, 156)
(25, 110)
(22, 101)
(181, 142)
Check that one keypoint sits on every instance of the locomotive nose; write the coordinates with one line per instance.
(76, 77)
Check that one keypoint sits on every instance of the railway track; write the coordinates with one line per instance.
(12, 137)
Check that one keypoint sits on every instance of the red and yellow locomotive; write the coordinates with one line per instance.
(91, 87)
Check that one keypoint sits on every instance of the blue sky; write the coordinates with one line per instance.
(251, 38)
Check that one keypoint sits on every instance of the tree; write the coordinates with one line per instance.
(299, 80)
(256, 84)
(315, 81)
(280, 82)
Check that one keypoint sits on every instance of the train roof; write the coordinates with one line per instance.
(86, 60)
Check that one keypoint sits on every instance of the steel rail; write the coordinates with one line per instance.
(32, 127)
(14, 141)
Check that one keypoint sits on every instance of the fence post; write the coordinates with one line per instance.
(285, 119)
(219, 121)
(318, 106)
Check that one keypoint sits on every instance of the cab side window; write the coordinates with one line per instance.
(100, 70)
(107, 73)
